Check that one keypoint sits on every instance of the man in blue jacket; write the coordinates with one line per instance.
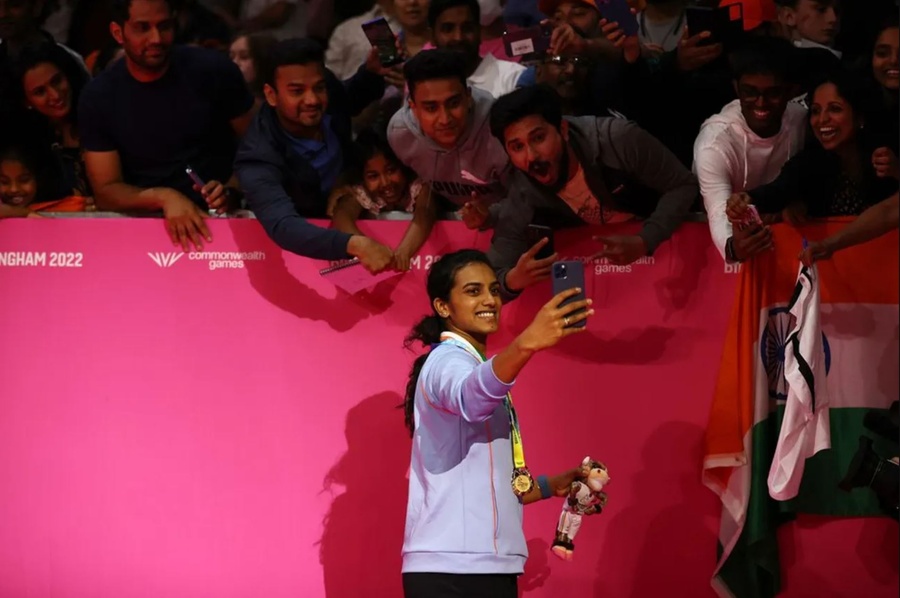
(297, 146)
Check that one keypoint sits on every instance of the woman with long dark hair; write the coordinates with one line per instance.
(464, 533)
(838, 173)
(51, 82)
(884, 113)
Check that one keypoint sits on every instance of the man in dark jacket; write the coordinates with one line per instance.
(297, 146)
(580, 170)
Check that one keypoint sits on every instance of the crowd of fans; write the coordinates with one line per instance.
(283, 107)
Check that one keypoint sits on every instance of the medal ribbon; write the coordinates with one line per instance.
(515, 436)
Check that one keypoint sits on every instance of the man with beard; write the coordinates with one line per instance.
(456, 25)
(297, 146)
(567, 75)
(571, 171)
(747, 143)
(161, 109)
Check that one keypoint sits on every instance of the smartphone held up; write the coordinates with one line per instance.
(569, 275)
(379, 34)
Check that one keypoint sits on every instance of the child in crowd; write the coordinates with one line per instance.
(23, 187)
(378, 182)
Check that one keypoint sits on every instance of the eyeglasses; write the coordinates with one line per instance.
(575, 61)
(769, 94)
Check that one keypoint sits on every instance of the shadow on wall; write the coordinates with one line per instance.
(363, 529)
(275, 283)
(537, 567)
(673, 512)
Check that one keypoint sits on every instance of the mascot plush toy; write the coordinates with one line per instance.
(585, 498)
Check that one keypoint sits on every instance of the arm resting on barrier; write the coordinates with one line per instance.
(877, 220)
(262, 184)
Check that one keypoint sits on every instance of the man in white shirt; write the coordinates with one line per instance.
(348, 46)
(748, 142)
(456, 25)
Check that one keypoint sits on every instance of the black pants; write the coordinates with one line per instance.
(447, 585)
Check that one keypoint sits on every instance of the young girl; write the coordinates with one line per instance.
(22, 188)
(464, 533)
(380, 183)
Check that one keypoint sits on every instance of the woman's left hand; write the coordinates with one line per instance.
(560, 484)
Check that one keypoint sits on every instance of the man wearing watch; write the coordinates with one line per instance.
(746, 144)
(745, 243)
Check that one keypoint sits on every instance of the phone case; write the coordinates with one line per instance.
(568, 275)
(620, 12)
(197, 180)
(527, 43)
(380, 35)
(725, 23)
(752, 219)
(535, 233)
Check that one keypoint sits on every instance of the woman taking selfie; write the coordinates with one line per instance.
(468, 477)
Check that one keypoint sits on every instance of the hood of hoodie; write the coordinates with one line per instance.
(787, 142)
(476, 164)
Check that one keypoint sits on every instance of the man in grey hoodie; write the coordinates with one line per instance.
(580, 170)
(443, 133)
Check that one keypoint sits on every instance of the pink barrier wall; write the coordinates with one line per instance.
(225, 425)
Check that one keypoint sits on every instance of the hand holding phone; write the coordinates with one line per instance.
(528, 44)
(618, 11)
(751, 218)
(536, 232)
(379, 34)
(570, 275)
(724, 24)
(565, 314)
(197, 180)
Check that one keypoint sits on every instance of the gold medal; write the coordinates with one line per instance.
(522, 482)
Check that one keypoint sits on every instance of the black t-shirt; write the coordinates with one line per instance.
(161, 127)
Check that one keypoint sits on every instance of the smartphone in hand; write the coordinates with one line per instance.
(725, 24)
(618, 11)
(536, 232)
(197, 180)
(528, 44)
(379, 34)
(751, 219)
(569, 275)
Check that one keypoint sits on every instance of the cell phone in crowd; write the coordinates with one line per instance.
(751, 219)
(725, 24)
(618, 11)
(569, 275)
(528, 44)
(536, 232)
(379, 34)
(197, 180)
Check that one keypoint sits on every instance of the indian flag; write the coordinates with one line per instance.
(859, 320)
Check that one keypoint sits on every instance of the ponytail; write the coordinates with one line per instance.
(428, 332)
(441, 279)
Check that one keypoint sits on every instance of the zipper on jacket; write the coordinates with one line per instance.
(487, 428)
